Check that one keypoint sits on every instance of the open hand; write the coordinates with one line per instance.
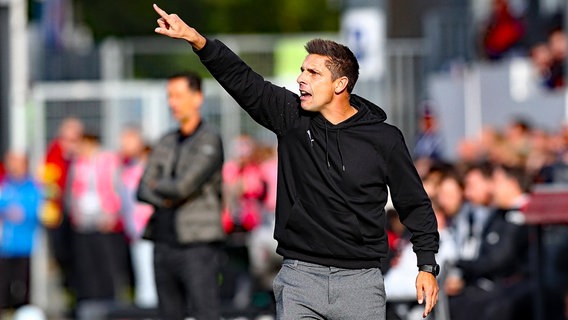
(173, 26)
(427, 291)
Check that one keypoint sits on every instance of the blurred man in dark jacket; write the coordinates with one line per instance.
(496, 283)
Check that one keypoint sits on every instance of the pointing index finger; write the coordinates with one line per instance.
(161, 12)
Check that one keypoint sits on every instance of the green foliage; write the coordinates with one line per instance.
(131, 18)
(162, 65)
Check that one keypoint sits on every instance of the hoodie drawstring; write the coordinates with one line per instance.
(326, 152)
(339, 148)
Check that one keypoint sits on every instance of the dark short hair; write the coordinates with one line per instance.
(483, 167)
(518, 174)
(341, 62)
(192, 78)
(522, 124)
(452, 173)
(92, 136)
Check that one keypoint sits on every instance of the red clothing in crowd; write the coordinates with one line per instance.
(54, 178)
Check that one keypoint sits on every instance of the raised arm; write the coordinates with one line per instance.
(271, 106)
(172, 26)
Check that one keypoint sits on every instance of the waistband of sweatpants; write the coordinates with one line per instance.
(296, 262)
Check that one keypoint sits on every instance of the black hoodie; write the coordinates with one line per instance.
(332, 179)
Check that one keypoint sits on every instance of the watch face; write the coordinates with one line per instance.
(436, 270)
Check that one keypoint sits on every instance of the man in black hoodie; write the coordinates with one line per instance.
(336, 157)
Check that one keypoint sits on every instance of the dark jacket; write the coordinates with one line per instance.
(184, 178)
(332, 179)
(503, 252)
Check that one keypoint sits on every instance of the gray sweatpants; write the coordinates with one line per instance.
(310, 291)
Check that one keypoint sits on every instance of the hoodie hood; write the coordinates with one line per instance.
(379, 115)
(367, 113)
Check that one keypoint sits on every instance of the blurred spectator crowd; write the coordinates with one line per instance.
(506, 34)
(84, 197)
(487, 251)
(85, 200)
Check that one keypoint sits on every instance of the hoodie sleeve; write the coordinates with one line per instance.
(271, 106)
(411, 202)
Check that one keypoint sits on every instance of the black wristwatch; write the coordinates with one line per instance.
(431, 268)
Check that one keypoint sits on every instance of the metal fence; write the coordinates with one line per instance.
(107, 107)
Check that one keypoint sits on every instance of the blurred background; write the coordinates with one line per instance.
(451, 74)
(101, 62)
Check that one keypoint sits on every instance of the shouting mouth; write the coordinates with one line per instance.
(304, 95)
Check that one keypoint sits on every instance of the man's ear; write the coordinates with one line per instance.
(341, 84)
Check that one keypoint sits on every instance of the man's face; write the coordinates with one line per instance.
(478, 188)
(502, 188)
(131, 143)
(183, 101)
(450, 196)
(16, 164)
(70, 137)
(316, 85)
